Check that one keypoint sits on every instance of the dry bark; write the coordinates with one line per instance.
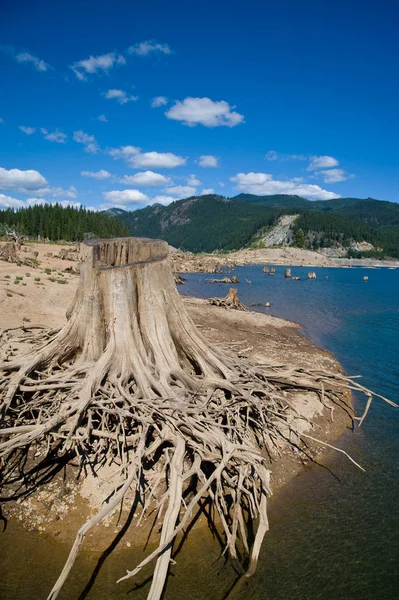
(130, 380)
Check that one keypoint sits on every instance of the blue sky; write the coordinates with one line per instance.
(127, 103)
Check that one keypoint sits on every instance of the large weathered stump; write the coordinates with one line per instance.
(127, 307)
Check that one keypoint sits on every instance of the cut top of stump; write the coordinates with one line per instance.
(123, 252)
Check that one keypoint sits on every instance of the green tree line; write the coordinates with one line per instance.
(325, 229)
(55, 222)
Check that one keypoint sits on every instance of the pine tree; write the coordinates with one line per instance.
(299, 239)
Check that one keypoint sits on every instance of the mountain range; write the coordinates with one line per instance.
(211, 222)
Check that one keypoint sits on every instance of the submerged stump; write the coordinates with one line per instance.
(130, 381)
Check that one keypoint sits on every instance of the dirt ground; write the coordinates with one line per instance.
(282, 256)
(37, 295)
(185, 262)
(39, 298)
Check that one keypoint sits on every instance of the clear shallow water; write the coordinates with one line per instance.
(331, 538)
(336, 539)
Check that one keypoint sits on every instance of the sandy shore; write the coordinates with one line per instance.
(185, 262)
(40, 298)
(209, 263)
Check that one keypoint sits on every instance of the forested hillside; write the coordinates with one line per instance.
(333, 227)
(201, 224)
(327, 229)
(275, 201)
(208, 223)
(55, 222)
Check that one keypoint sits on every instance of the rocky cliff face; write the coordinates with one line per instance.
(279, 235)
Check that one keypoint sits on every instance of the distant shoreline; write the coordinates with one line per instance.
(186, 262)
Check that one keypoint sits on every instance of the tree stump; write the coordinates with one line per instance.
(9, 253)
(231, 300)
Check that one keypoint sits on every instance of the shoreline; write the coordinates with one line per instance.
(185, 262)
(59, 510)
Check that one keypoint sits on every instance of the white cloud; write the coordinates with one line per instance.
(124, 152)
(1, 120)
(9, 202)
(192, 180)
(335, 175)
(149, 47)
(124, 197)
(55, 136)
(57, 192)
(181, 191)
(27, 130)
(322, 162)
(165, 200)
(295, 157)
(207, 160)
(165, 160)
(264, 184)
(204, 111)
(97, 64)
(89, 141)
(71, 192)
(145, 178)
(271, 155)
(137, 159)
(207, 191)
(34, 201)
(102, 118)
(39, 64)
(15, 179)
(120, 96)
(159, 101)
(96, 174)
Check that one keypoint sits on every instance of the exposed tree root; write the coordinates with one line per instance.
(130, 380)
(9, 253)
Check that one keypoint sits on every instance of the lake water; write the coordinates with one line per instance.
(335, 539)
(332, 537)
